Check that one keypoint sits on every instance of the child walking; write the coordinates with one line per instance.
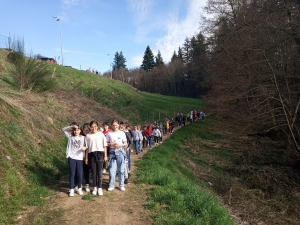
(96, 143)
(75, 152)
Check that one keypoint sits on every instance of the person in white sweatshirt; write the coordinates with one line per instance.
(75, 152)
(156, 134)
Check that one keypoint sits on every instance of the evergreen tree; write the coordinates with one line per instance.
(174, 57)
(116, 62)
(180, 53)
(158, 59)
(119, 61)
(122, 61)
(186, 51)
(148, 60)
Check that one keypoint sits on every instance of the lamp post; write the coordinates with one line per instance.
(61, 48)
(110, 65)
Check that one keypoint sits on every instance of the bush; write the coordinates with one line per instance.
(30, 74)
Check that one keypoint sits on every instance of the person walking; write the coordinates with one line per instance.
(96, 143)
(136, 136)
(117, 143)
(74, 152)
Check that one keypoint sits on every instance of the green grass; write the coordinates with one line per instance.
(136, 106)
(32, 160)
(177, 196)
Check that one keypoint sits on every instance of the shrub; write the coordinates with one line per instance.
(30, 74)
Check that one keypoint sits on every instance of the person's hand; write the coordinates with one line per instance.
(86, 161)
(105, 158)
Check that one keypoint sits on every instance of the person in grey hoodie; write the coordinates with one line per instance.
(136, 136)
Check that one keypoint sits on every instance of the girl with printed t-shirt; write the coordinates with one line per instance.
(96, 142)
(75, 152)
(117, 143)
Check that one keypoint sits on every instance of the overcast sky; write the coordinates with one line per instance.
(92, 29)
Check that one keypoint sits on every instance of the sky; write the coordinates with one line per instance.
(90, 32)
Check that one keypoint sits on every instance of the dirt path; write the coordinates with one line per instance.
(115, 207)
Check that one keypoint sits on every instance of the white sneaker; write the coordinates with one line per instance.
(100, 192)
(122, 188)
(95, 191)
(87, 188)
(104, 171)
(71, 194)
(76, 188)
(79, 191)
(110, 189)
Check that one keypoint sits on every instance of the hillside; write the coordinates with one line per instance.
(202, 173)
(32, 145)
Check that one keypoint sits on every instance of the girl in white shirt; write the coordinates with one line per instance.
(117, 143)
(96, 143)
(74, 153)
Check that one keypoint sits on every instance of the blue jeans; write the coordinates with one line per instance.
(75, 166)
(128, 158)
(136, 145)
(117, 163)
(141, 145)
(150, 141)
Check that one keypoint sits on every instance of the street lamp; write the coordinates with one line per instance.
(110, 65)
(61, 48)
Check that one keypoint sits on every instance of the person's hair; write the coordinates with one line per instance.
(115, 121)
(84, 126)
(94, 122)
(122, 123)
(73, 129)
(106, 123)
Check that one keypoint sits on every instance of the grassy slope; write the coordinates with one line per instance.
(32, 146)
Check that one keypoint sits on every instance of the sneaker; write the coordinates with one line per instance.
(76, 188)
(100, 192)
(71, 194)
(131, 150)
(104, 170)
(110, 189)
(126, 181)
(128, 175)
(79, 191)
(87, 188)
(95, 191)
(122, 188)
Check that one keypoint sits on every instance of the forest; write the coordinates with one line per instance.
(244, 61)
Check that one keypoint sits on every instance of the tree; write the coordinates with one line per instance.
(180, 53)
(148, 60)
(158, 59)
(255, 48)
(119, 61)
(174, 57)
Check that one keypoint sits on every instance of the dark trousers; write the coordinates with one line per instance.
(75, 167)
(96, 163)
(145, 143)
(86, 172)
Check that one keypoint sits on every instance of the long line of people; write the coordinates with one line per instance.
(98, 149)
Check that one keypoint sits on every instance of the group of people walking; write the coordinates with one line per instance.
(96, 148)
